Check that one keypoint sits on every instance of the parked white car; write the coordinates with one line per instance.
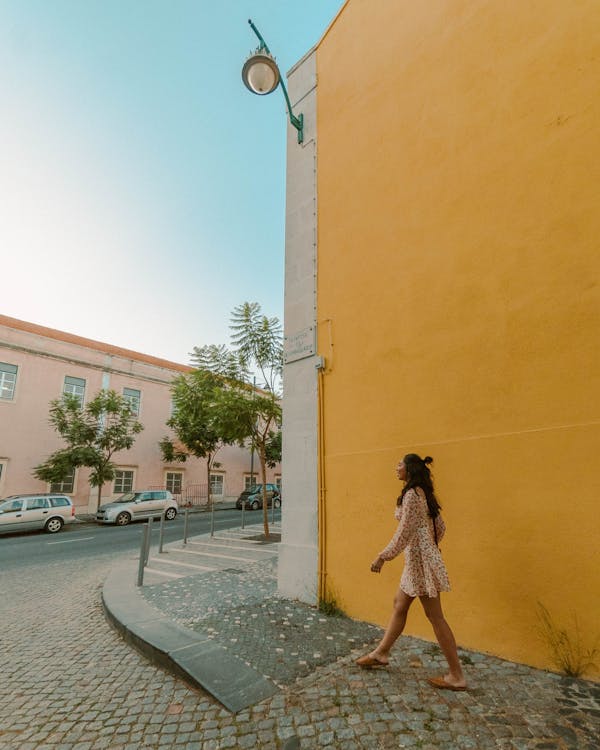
(133, 506)
(49, 511)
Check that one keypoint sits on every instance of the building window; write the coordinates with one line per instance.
(75, 387)
(174, 481)
(8, 380)
(133, 397)
(216, 484)
(123, 481)
(66, 485)
(278, 482)
(249, 481)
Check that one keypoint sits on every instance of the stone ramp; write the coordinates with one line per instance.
(191, 654)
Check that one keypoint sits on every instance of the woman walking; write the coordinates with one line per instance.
(420, 528)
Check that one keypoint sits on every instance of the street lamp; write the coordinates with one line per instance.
(261, 76)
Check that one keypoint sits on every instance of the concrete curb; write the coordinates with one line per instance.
(189, 654)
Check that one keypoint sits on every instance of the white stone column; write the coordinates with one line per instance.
(298, 557)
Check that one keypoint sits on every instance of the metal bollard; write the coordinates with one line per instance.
(161, 532)
(212, 517)
(145, 536)
(148, 540)
(185, 525)
(243, 514)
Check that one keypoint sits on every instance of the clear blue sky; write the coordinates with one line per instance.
(142, 187)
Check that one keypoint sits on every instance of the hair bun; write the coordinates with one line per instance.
(428, 460)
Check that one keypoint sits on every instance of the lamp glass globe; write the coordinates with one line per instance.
(262, 78)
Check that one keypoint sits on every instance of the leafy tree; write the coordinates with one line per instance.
(273, 449)
(93, 434)
(258, 342)
(200, 421)
(250, 413)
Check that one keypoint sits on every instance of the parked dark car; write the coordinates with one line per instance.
(253, 497)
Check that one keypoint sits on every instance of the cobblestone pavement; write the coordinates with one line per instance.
(281, 639)
(69, 682)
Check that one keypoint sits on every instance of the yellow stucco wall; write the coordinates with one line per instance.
(458, 304)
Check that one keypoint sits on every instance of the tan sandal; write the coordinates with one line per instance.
(441, 684)
(371, 662)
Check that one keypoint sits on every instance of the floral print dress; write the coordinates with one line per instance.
(424, 571)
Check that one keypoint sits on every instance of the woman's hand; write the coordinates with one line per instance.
(377, 565)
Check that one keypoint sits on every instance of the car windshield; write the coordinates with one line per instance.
(128, 497)
(254, 488)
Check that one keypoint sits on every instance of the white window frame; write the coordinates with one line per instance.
(8, 380)
(63, 487)
(122, 470)
(179, 474)
(220, 480)
(72, 389)
(3, 470)
(249, 480)
(278, 482)
(134, 398)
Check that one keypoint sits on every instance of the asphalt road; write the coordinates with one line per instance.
(83, 540)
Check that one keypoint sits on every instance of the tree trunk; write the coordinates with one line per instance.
(99, 495)
(263, 472)
(208, 492)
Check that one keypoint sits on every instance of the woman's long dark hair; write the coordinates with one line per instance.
(418, 475)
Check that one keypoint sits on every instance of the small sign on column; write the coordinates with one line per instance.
(299, 345)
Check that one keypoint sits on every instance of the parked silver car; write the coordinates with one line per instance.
(50, 511)
(133, 506)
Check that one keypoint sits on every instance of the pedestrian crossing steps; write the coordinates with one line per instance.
(231, 548)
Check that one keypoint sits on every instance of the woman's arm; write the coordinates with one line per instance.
(409, 522)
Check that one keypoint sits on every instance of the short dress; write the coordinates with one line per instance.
(424, 571)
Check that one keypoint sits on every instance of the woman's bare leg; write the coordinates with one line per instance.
(395, 627)
(445, 637)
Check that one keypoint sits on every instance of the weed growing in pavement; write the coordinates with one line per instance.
(429, 722)
(328, 605)
(568, 652)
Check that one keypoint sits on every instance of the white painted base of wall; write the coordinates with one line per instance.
(297, 572)
(92, 505)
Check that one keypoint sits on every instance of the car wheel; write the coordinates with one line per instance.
(170, 514)
(277, 502)
(53, 525)
(123, 519)
(255, 505)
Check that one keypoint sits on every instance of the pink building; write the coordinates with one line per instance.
(39, 364)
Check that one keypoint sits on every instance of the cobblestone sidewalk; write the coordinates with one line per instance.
(508, 705)
(69, 682)
(281, 639)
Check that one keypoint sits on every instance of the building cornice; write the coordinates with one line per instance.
(97, 346)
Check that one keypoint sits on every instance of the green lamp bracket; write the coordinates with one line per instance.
(297, 121)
